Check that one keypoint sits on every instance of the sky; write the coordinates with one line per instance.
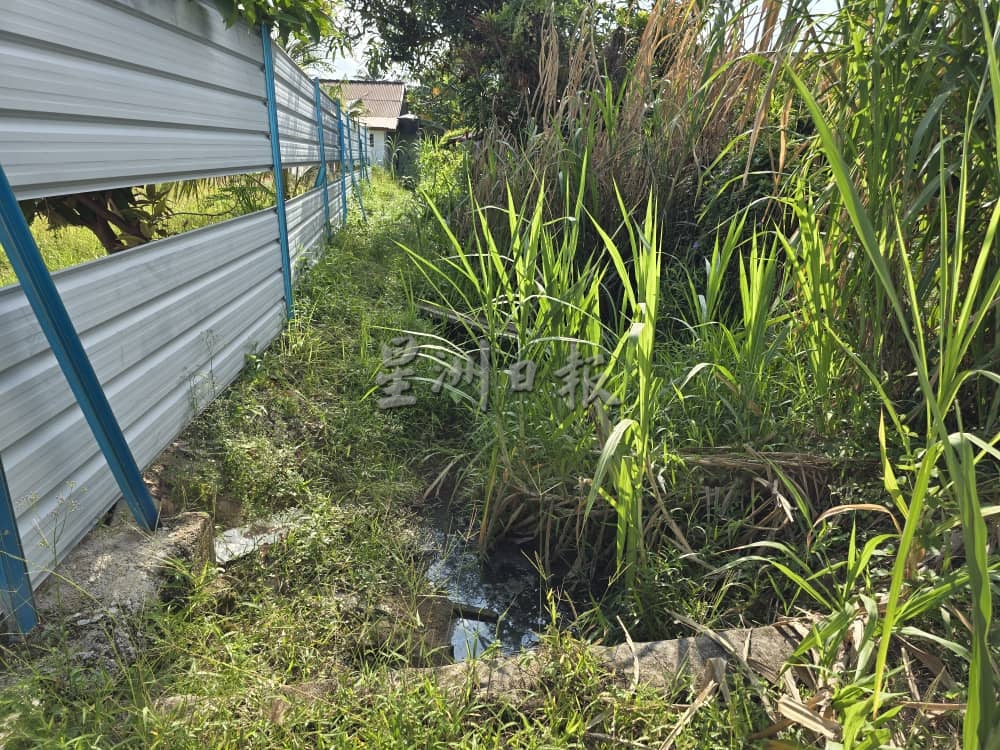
(350, 66)
(341, 67)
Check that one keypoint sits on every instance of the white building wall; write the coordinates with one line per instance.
(376, 147)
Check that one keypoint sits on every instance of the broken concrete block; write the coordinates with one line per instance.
(232, 544)
(659, 664)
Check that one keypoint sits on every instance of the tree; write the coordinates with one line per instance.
(416, 34)
(120, 218)
(478, 62)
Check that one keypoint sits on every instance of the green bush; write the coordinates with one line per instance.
(442, 173)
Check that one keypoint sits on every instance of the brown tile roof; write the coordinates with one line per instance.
(382, 101)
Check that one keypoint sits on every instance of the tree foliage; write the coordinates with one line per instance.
(299, 21)
(307, 29)
(478, 62)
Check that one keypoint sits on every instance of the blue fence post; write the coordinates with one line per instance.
(38, 287)
(363, 137)
(15, 585)
(350, 148)
(343, 163)
(363, 157)
(279, 177)
(322, 157)
(362, 149)
(368, 154)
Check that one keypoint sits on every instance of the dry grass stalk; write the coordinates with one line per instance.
(688, 91)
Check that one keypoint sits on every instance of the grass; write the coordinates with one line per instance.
(335, 602)
(60, 248)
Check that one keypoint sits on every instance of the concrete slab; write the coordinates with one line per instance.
(659, 664)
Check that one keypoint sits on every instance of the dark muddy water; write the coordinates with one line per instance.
(506, 583)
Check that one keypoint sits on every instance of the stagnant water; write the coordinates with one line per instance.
(506, 583)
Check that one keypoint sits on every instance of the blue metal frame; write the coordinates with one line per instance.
(363, 137)
(322, 156)
(343, 164)
(15, 585)
(38, 287)
(279, 178)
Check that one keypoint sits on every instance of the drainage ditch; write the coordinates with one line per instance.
(500, 599)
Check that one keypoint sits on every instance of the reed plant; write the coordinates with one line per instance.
(574, 457)
(944, 459)
(687, 90)
(524, 310)
(627, 455)
(903, 279)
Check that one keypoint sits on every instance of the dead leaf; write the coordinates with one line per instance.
(802, 715)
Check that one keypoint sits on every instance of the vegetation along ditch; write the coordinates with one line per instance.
(688, 326)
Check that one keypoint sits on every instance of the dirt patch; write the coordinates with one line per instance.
(98, 594)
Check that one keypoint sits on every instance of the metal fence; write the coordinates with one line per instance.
(104, 364)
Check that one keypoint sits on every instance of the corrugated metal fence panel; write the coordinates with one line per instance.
(331, 135)
(295, 96)
(305, 228)
(335, 205)
(330, 140)
(106, 93)
(167, 326)
(306, 236)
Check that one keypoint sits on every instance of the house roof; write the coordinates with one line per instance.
(382, 101)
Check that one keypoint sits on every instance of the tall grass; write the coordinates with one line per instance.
(862, 322)
(656, 124)
(909, 168)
